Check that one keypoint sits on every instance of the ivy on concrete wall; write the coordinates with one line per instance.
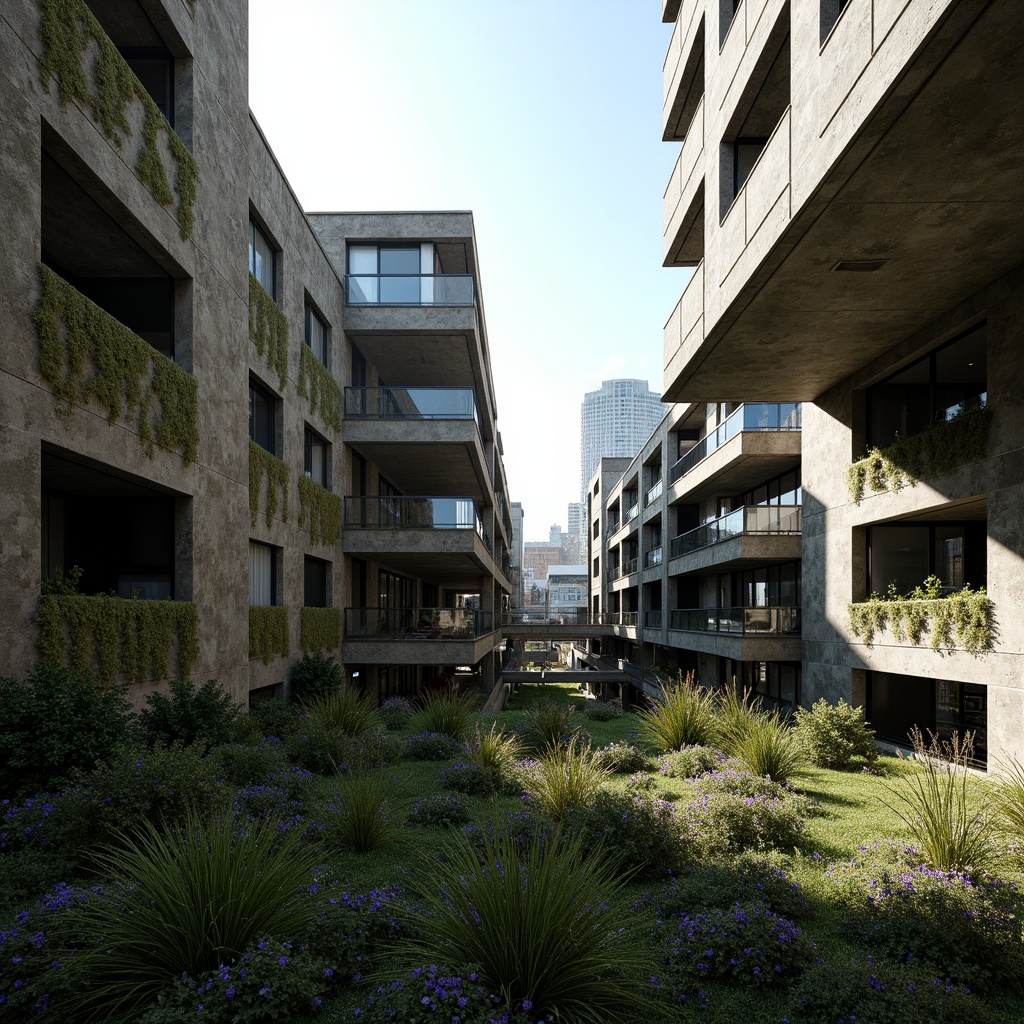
(85, 353)
(961, 620)
(107, 85)
(268, 329)
(321, 510)
(263, 464)
(321, 629)
(268, 632)
(115, 636)
(322, 390)
(934, 452)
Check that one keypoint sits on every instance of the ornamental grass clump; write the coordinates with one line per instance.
(495, 749)
(769, 747)
(565, 778)
(736, 713)
(345, 710)
(447, 712)
(1009, 805)
(685, 716)
(358, 819)
(835, 734)
(550, 724)
(545, 926)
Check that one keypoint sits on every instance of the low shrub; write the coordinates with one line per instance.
(521, 828)
(835, 734)
(248, 764)
(602, 710)
(344, 710)
(690, 762)
(431, 746)
(564, 778)
(769, 747)
(685, 716)
(272, 717)
(470, 778)
(314, 677)
(316, 747)
(189, 714)
(622, 758)
(397, 712)
(447, 810)
(369, 751)
(447, 712)
(280, 802)
(550, 724)
(358, 817)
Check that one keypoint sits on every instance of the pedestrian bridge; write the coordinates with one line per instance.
(568, 625)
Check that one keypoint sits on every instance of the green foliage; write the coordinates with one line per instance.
(447, 711)
(689, 762)
(949, 815)
(834, 734)
(446, 810)
(960, 620)
(322, 510)
(470, 778)
(56, 723)
(543, 922)
(1009, 803)
(268, 330)
(736, 714)
(317, 384)
(268, 632)
(117, 636)
(344, 710)
(936, 451)
(186, 902)
(106, 86)
(263, 464)
(622, 758)
(397, 712)
(431, 746)
(602, 710)
(319, 629)
(359, 818)
(189, 713)
(128, 377)
(496, 749)
(771, 748)
(274, 717)
(565, 778)
(314, 676)
(550, 723)
(249, 764)
(684, 717)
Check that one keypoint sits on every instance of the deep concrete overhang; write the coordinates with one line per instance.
(743, 552)
(448, 557)
(931, 183)
(738, 647)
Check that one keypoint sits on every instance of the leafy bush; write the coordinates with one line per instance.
(431, 746)
(397, 712)
(189, 714)
(834, 734)
(470, 778)
(272, 717)
(448, 810)
(281, 801)
(622, 758)
(521, 828)
(544, 924)
(447, 712)
(564, 778)
(55, 725)
(316, 748)
(344, 710)
(689, 762)
(641, 836)
(550, 724)
(602, 710)
(247, 764)
(314, 677)
(769, 747)
(685, 716)
(358, 819)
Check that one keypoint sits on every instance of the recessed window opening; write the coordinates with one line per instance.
(262, 417)
(262, 259)
(317, 336)
(317, 459)
(829, 12)
(262, 574)
(316, 583)
(903, 555)
(727, 10)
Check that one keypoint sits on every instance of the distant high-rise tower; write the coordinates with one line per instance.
(516, 553)
(615, 422)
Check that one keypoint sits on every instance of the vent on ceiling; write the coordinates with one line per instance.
(859, 266)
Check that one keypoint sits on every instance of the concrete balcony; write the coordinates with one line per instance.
(743, 634)
(738, 45)
(669, 10)
(684, 332)
(683, 72)
(683, 233)
(746, 537)
(425, 636)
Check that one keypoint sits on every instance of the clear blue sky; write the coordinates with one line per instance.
(543, 117)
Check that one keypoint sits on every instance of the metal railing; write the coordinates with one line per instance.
(560, 617)
(654, 493)
(412, 404)
(750, 519)
(653, 557)
(414, 513)
(417, 623)
(613, 523)
(612, 573)
(409, 290)
(627, 619)
(652, 619)
(780, 620)
(630, 567)
(631, 513)
(758, 416)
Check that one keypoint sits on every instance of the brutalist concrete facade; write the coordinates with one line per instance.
(847, 194)
(138, 464)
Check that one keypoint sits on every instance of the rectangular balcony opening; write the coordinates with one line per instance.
(417, 623)
(411, 404)
(415, 513)
(408, 274)
(739, 620)
(753, 520)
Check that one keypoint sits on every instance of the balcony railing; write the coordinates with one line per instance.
(411, 404)
(627, 619)
(654, 493)
(631, 513)
(652, 620)
(562, 617)
(630, 567)
(751, 519)
(417, 623)
(611, 574)
(613, 523)
(409, 290)
(743, 621)
(414, 513)
(653, 557)
(758, 416)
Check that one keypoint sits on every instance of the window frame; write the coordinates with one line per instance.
(309, 437)
(254, 231)
(312, 313)
(258, 389)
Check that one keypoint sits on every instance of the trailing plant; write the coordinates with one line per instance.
(959, 620)
(447, 711)
(314, 676)
(685, 716)
(322, 509)
(125, 375)
(319, 629)
(322, 390)
(834, 734)
(268, 632)
(106, 85)
(936, 451)
(118, 636)
(263, 464)
(268, 330)
(188, 713)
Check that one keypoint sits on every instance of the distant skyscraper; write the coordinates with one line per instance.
(615, 422)
(574, 541)
(516, 553)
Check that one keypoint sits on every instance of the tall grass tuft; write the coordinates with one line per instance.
(494, 749)
(565, 778)
(184, 902)
(544, 923)
(447, 712)
(685, 716)
(1010, 804)
(550, 724)
(361, 821)
(736, 714)
(345, 710)
(948, 814)
(770, 747)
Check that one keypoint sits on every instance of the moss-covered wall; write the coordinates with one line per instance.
(268, 330)
(322, 390)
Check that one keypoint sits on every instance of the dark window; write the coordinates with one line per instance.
(154, 68)
(829, 14)
(262, 416)
(262, 260)
(358, 368)
(315, 592)
(745, 153)
(317, 459)
(904, 554)
(317, 337)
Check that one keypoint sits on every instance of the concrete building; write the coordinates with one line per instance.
(567, 592)
(516, 554)
(136, 326)
(847, 194)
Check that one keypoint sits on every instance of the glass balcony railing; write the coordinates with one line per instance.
(560, 617)
(627, 619)
(409, 290)
(414, 513)
(751, 519)
(417, 623)
(613, 523)
(757, 416)
(652, 620)
(411, 404)
(654, 493)
(630, 567)
(631, 513)
(612, 573)
(653, 557)
(743, 621)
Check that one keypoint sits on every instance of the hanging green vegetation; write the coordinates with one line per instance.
(263, 464)
(320, 629)
(322, 511)
(317, 384)
(960, 620)
(107, 85)
(116, 636)
(268, 632)
(268, 329)
(934, 452)
(85, 353)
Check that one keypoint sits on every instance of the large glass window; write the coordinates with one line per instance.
(317, 337)
(262, 260)
(317, 459)
(262, 417)
(315, 583)
(262, 574)
(904, 554)
(387, 274)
